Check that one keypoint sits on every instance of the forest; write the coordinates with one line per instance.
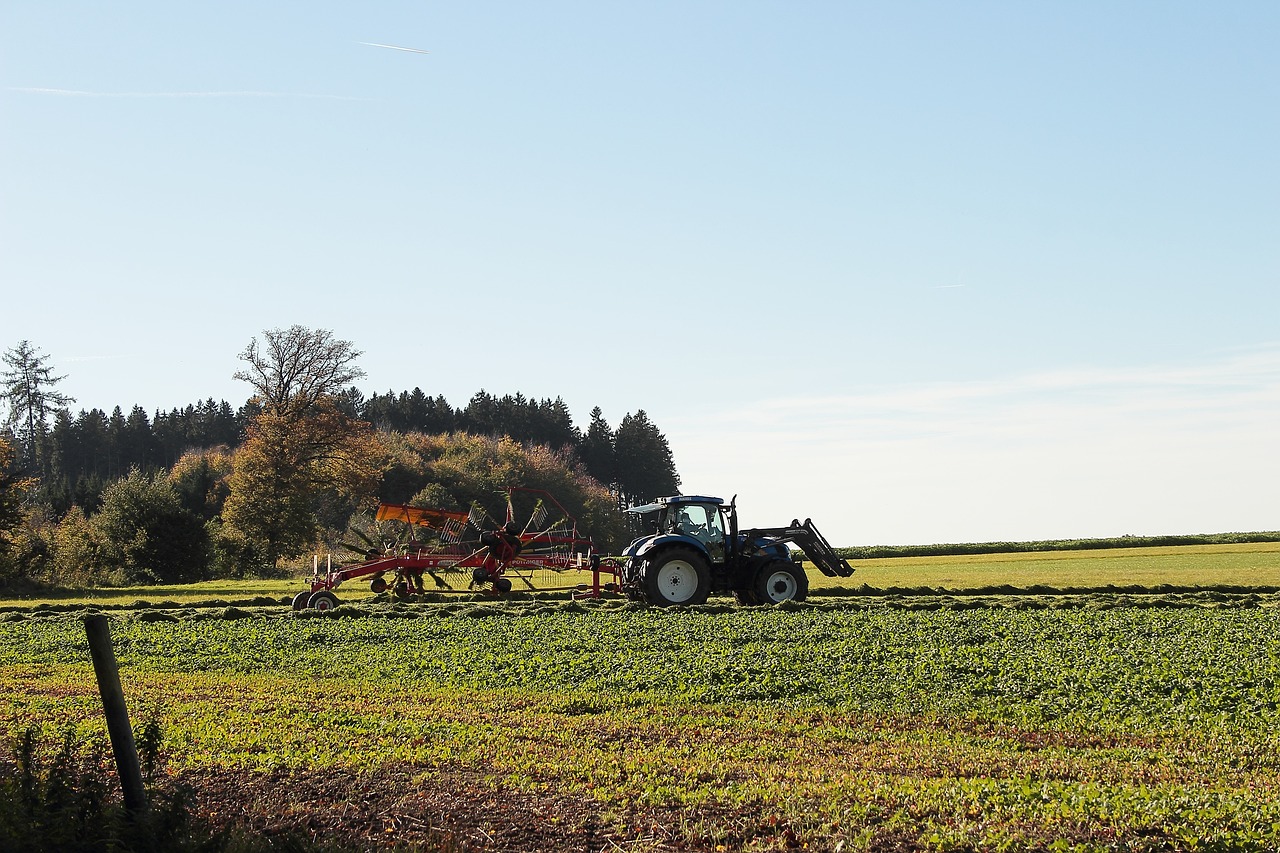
(216, 490)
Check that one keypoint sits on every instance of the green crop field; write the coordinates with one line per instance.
(998, 702)
(844, 724)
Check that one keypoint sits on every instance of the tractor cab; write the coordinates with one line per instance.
(704, 520)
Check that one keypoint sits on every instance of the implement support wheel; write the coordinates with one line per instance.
(322, 600)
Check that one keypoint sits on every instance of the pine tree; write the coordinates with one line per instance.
(597, 449)
(645, 469)
(482, 416)
(557, 425)
(441, 417)
(28, 385)
(137, 441)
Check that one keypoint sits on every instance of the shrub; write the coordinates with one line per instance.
(30, 549)
(77, 559)
(11, 491)
(234, 555)
(148, 535)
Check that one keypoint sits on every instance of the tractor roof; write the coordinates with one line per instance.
(673, 501)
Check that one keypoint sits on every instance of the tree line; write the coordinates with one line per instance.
(228, 490)
(78, 456)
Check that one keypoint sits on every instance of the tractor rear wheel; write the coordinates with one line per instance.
(780, 580)
(676, 576)
(322, 600)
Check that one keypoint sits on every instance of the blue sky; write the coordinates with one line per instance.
(922, 271)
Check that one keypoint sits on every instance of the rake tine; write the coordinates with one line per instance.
(538, 516)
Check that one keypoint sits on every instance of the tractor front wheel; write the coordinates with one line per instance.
(300, 600)
(676, 576)
(780, 580)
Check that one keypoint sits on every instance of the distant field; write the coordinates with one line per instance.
(1251, 564)
(1240, 565)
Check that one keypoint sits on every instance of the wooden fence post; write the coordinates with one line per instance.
(122, 746)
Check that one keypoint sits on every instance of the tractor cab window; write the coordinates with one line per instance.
(702, 523)
(715, 524)
(689, 519)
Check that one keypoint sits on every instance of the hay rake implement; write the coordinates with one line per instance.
(474, 551)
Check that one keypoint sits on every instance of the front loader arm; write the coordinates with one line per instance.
(814, 545)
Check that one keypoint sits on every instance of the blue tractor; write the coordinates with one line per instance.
(696, 549)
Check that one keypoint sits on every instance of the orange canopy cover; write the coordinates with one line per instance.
(424, 516)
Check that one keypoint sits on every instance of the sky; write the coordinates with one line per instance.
(921, 271)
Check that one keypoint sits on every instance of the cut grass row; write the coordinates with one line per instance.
(1243, 566)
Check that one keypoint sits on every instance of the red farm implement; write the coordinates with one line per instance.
(468, 551)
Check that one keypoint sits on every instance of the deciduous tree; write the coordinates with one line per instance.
(295, 368)
(200, 479)
(303, 445)
(286, 468)
(12, 489)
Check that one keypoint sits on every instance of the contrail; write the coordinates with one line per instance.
(79, 358)
(80, 93)
(393, 47)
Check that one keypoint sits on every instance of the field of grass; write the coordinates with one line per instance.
(1244, 565)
